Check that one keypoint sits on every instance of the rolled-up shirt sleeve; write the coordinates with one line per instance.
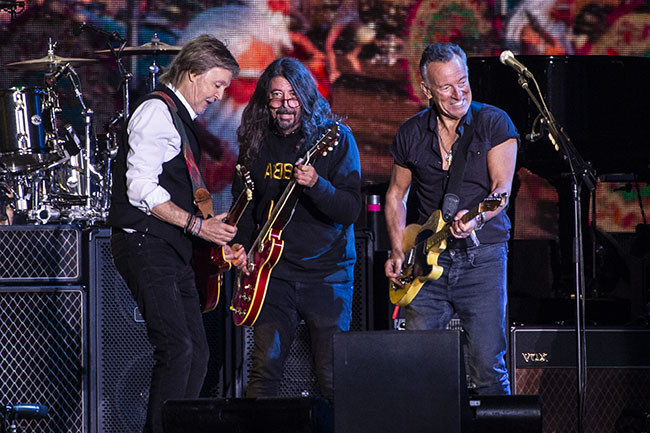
(153, 141)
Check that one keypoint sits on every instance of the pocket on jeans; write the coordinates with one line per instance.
(488, 254)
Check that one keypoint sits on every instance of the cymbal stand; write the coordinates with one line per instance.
(88, 120)
(581, 174)
(154, 69)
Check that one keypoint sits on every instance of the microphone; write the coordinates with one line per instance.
(52, 79)
(27, 410)
(508, 59)
(113, 36)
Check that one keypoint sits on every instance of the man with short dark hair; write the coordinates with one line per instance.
(473, 279)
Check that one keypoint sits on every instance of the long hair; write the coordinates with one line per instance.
(256, 118)
(198, 56)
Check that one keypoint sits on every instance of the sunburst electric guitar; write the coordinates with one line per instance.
(250, 290)
(210, 286)
(422, 244)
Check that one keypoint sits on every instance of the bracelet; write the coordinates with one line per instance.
(195, 227)
(480, 221)
(188, 223)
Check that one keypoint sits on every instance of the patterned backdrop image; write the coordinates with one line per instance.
(364, 57)
(362, 53)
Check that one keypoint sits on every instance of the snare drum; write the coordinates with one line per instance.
(27, 128)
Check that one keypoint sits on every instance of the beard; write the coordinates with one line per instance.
(284, 125)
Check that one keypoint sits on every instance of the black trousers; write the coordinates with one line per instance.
(164, 289)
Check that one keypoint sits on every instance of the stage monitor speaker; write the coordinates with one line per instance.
(400, 382)
(618, 378)
(248, 415)
(43, 354)
(298, 378)
(120, 371)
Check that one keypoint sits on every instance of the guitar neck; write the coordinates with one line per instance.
(443, 234)
(237, 208)
(273, 221)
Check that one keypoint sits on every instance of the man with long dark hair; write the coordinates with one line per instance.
(313, 279)
(153, 215)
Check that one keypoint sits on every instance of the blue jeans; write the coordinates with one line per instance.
(164, 289)
(472, 285)
(326, 309)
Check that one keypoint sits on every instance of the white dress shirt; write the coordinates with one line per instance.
(153, 141)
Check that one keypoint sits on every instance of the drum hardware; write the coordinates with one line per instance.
(29, 133)
(155, 48)
(55, 175)
(50, 63)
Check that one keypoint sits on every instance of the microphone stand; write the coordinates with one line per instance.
(581, 174)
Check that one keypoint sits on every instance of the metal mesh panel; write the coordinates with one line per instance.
(609, 392)
(39, 253)
(124, 354)
(41, 355)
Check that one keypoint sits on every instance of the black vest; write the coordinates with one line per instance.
(175, 178)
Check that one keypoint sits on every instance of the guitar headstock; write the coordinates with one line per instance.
(246, 180)
(325, 143)
(493, 202)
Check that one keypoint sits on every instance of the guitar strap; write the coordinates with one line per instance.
(202, 196)
(457, 168)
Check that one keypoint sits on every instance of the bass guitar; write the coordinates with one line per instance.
(210, 289)
(422, 244)
(250, 290)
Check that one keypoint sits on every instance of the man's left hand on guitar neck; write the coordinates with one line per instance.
(461, 230)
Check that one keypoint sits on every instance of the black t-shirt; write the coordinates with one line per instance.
(416, 148)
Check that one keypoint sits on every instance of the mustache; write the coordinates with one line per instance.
(285, 110)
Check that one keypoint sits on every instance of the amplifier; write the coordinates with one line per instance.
(40, 254)
(543, 361)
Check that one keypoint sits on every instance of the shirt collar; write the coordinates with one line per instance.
(187, 105)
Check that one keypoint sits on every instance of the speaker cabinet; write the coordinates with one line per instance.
(42, 355)
(618, 374)
(120, 372)
(399, 382)
(298, 378)
(40, 254)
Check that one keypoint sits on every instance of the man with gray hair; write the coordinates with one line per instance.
(472, 279)
(153, 217)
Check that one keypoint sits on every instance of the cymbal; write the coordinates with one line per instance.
(154, 48)
(48, 63)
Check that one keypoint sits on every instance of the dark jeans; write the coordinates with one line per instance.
(164, 289)
(473, 285)
(326, 309)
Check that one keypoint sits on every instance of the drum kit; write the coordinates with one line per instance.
(52, 174)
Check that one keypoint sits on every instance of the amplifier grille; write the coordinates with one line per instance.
(40, 253)
(41, 355)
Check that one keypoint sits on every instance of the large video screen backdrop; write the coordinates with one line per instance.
(363, 54)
